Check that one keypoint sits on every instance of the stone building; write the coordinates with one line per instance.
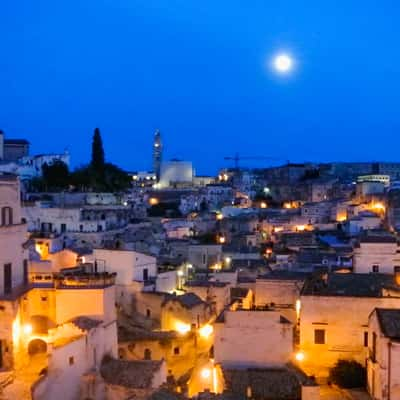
(383, 366)
(334, 317)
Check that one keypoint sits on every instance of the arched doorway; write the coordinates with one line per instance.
(37, 346)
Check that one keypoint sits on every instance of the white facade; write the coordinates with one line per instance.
(75, 353)
(253, 339)
(59, 219)
(202, 256)
(175, 172)
(129, 265)
(13, 256)
(376, 257)
(29, 167)
(364, 221)
(334, 327)
(383, 367)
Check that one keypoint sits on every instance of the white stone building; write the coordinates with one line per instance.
(376, 252)
(253, 339)
(383, 366)
(334, 317)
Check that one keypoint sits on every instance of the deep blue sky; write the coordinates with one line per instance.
(199, 71)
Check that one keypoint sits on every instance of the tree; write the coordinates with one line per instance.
(81, 178)
(97, 162)
(348, 374)
(56, 175)
(115, 179)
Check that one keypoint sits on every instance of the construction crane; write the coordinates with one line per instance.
(236, 158)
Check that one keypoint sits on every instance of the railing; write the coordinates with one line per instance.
(84, 280)
(73, 280)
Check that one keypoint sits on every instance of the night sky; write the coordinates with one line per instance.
(200, 72)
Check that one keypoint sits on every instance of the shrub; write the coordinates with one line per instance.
(348, 374)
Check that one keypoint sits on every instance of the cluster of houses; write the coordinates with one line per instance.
(253, 284)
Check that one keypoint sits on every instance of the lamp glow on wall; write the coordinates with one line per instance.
(182, 328)
(206, 331)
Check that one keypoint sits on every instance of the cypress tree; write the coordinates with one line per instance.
(97, 162)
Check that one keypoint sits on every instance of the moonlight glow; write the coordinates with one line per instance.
(283, 63)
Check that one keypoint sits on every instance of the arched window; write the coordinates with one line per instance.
(6, 216)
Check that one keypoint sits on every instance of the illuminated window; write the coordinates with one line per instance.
(319, 336)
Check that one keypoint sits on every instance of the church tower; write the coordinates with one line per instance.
(157, 153)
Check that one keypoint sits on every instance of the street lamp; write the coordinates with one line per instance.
(205, 373)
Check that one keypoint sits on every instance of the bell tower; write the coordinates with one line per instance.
(157, 153)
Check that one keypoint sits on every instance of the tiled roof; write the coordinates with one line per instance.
(126, 334)
(285, 275)
(86, 323)
(188, 300)
(265, 384)
(131, 374)
(239, 293)
(203, 283)
(350, 285)
(389, 321)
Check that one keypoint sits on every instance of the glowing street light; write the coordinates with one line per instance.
(299, 356)
(205, 373)
(27, 329)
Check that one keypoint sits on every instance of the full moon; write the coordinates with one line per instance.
(283, 63)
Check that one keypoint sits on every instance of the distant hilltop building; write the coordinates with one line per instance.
(176, 173)
(157, 153)
(12, 149)
(15, 158)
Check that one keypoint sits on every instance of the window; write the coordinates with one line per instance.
(375, 268)
(373, 350)
(148, 313)
(176, 351)
(319, 336)
(25, 271)
(6, 216)
(71, 361)
(365, 339)
(145, 274)
(7, 278)
(63, 228)
(147, 354)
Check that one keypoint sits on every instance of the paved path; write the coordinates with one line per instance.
(333, 393)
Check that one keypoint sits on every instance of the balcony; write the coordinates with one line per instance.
(84, 280)
(69, 280)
